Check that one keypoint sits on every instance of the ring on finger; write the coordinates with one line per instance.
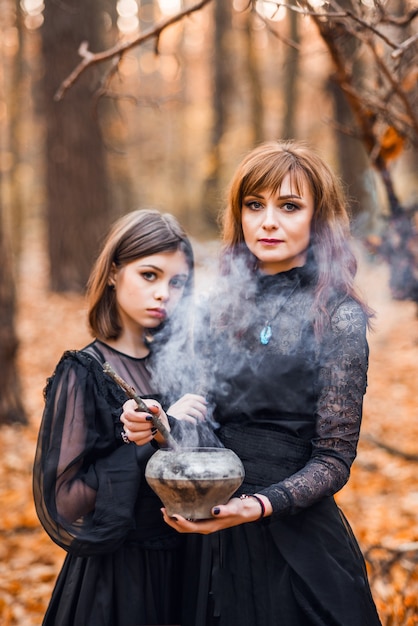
(124, 436)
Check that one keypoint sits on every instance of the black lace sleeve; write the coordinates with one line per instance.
(342, 383)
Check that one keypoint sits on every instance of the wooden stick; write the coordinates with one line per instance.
(131, 393)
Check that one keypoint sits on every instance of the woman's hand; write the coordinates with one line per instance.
(191, 408)
(234, 513)
(138, 425)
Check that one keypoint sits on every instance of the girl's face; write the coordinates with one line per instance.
(148, 289)
(277, 226)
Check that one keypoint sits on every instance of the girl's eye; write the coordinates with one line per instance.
(149, 276)
(178, 282)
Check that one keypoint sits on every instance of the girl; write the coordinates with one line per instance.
(124, 565)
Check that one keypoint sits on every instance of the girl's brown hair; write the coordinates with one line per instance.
(265, 167)
(135, 235)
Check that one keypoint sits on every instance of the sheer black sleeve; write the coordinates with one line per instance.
(342, 383)
(85, 479)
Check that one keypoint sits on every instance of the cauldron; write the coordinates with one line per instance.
(190, 481)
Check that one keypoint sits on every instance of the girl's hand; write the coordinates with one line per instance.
(191, 408)
(138, 425)
(234, 513)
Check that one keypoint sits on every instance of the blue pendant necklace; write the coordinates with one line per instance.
(266, 332)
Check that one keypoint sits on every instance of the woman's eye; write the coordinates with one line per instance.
(289, 207)
(254, 205)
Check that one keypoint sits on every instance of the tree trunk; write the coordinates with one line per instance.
(78, 202)
(222, 88)
(291, 70)
(355, 169)
(255, 85)
(15, 108)
(11, 407)
(354, 164)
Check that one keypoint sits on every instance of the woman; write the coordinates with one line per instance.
(124, 565)
(289, 354)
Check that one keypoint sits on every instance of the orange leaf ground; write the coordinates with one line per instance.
(380, 501)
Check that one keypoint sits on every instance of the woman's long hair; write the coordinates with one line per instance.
(265, 168)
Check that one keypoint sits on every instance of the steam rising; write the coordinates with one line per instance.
(186, 358)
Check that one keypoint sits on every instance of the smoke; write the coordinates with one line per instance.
(212, 345)
(186, 357)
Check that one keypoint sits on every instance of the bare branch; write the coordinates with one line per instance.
(274, 33)
(401, 48)
(397, 90)
(105, 80)
(407, 456)
(90, 58)
(339, 14)
(367, 26)
(403, 20)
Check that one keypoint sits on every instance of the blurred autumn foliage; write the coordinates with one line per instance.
(174, 124)
(380, 500)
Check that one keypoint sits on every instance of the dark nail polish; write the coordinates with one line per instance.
(149, 418)
(216, 510)
(176, 519)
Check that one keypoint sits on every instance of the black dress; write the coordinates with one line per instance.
(124, 565)
(291, 409)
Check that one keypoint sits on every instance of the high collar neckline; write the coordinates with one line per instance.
(288, 279)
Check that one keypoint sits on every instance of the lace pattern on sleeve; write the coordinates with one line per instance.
(342, 384)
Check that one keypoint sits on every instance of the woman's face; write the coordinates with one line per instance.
(148, 289)
(277, 226)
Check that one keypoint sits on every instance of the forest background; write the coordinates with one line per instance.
(111, 105)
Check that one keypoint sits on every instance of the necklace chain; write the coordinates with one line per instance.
(266, 332)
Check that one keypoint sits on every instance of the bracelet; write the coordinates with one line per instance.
(259, 500)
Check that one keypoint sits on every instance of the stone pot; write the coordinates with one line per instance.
(190, 481)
